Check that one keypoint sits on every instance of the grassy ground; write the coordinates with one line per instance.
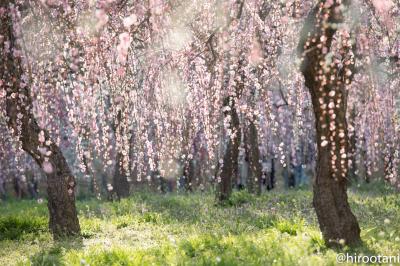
(278, 228)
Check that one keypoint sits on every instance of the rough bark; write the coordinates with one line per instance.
(336, 220)
(35, 140)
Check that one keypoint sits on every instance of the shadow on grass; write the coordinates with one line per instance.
(244, 212)
(16, 227)
(53, 255)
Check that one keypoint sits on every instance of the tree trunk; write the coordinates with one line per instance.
(104, 183)
(34, 140)
(271, 178)
(327, 85)
(253, 154)
(19, 187)
(120, 180)
(230, 167)
(189, 173)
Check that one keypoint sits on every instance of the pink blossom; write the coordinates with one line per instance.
(382, 6)
(51, 2)
(41, 137)
(42, 150)
(102, 18)
(121, 72)
(125, 39)
(328, 3)
(47, 167)
(122, 48)
(122, 53)
(285, 20)
(255, 56)
(119, 99)
(129, 21)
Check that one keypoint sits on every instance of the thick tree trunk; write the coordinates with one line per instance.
(229, 169)
(327, 85)
(253, 154)
(34, 140)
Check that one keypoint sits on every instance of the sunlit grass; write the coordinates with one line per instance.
(277, 228)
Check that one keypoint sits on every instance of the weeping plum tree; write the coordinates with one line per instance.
(34, 140)
(327, 67)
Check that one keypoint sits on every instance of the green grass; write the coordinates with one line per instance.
(278, 228)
